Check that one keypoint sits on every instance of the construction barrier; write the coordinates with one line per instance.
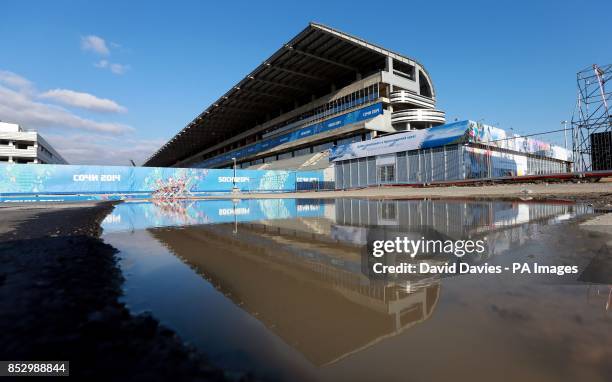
(30, 182)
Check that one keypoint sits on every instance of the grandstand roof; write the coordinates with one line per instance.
(309, 64)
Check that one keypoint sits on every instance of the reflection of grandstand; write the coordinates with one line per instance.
(309, 292)
(456, 219)
(302, 276)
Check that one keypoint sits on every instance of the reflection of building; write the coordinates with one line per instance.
(301, 288)
(19, 146)
(454, 219)
(297, 266)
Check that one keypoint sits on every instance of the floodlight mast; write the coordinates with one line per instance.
(591, 115)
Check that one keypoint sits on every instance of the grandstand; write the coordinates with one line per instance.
(365, 115)
(321, 89)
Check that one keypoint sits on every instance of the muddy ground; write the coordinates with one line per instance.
(59, 300)
(60, 287)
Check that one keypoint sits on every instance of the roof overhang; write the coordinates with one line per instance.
(314, 60)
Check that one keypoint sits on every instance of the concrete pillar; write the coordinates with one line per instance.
(389, 65)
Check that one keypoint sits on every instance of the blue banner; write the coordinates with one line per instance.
(39, 179)
(309, 176)
(362, 114)
(410, 140)
(450, 133)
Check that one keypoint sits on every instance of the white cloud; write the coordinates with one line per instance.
(95, 44)
(80, 140)
(19, 106)
(98, 45)
(103, 149)
(15, 81)
(119, 68)
(83, 100)
(101, 64)
(112, 66)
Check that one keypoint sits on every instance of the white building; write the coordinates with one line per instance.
(21, 146)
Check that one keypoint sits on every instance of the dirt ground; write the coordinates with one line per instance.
(59, 300)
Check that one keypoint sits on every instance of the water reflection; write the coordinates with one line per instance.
(180, 213)
(276, 286)
(299, 288)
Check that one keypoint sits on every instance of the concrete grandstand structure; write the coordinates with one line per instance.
(323, 88)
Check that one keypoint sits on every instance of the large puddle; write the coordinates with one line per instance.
(276, 287)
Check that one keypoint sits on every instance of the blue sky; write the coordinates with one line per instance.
(108, 81)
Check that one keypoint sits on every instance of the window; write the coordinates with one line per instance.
(322, 147)
(386, 173)
(346, 141)
(303, 151)
(388, 210)
(284, 155)
(403, 70)
(424, 86)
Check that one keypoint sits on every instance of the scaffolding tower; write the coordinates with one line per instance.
(591, 121)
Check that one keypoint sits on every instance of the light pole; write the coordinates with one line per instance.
(234, 188)
(565, 133)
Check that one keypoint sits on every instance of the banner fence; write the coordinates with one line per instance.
(25, 182)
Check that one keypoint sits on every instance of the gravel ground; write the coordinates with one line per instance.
(59, 300)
